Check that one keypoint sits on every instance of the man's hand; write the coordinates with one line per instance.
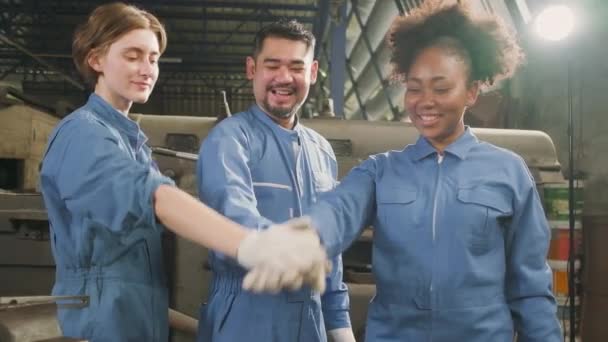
(287, 255)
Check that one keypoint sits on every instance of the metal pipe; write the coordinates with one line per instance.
(571, 204)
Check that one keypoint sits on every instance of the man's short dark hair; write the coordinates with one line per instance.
(287, 29)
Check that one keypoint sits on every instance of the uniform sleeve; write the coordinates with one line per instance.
(335, 302)
(224, 178)
(99, 181)
(528, 276)
(342, 213)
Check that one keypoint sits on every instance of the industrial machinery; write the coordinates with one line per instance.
(25, 253)
(33, 318)
(26, 263)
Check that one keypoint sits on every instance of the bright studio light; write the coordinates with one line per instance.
(554, 22)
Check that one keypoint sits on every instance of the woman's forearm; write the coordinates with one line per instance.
(191, 219)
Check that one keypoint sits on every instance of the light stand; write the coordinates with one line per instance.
(555, 23)
(571, 205)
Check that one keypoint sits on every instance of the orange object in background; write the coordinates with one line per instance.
(560, 241)
(560, 283)
(560, 276)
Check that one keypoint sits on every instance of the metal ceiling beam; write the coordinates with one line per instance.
(236, 29)
(242, 84)
(41, 61)
(186, 74)
(63, 31)
(65, 28)
(224, 58)
(10, 70)
(242, 4)
(169, 15)
(175, 92)
(231, 70)
(36, 33)
(149, 5)
(207, 66)
(182, 42)
(201, 71)
(184, 80)
(206, 62)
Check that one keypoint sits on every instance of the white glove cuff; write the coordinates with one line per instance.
(245, 254)
(342, 335)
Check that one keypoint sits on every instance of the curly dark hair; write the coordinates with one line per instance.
(484, 43)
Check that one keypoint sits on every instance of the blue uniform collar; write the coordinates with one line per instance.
(116, 119)
(460, 148)
(275, 127)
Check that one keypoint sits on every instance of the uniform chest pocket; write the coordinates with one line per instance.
(274, 200)
(483, 212)
(399, 208)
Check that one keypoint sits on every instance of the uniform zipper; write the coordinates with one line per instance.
(439, 161)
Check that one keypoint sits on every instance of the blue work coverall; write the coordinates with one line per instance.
(98, 183)
(255, 172)
(459, 243)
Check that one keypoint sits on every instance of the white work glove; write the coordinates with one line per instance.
(287, 255)
(270, 279)
(341, 335)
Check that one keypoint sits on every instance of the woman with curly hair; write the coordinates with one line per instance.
(460, 236)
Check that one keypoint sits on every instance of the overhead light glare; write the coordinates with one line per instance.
(555, 22)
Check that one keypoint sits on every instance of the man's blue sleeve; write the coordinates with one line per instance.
(335, 301)
(224, 178)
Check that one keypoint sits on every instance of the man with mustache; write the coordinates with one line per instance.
(259, 167)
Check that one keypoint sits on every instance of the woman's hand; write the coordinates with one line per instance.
(286, 255)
